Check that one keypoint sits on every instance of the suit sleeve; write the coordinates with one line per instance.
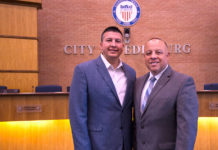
(78, 111)
(187, 116)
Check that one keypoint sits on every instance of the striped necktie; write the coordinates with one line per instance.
(148, 91)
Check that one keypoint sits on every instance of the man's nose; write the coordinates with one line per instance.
(113, 43)
(153, 55)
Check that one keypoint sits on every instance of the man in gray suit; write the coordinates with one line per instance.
(166, 104)
(101, 98)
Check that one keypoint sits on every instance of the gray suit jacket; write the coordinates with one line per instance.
(170, 118)
(98, 121)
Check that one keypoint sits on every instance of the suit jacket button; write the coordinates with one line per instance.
(143, 142)
(142, 126)
(121, 128)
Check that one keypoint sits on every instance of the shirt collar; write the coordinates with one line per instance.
(108, 65)
(158, 75)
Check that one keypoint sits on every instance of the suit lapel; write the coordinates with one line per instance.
(140, 86)
(106, 76)
(159, 85)
(128, 86)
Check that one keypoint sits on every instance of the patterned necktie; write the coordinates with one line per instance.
(148, 91)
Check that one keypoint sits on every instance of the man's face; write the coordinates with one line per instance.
(112, 45)
(156, 56)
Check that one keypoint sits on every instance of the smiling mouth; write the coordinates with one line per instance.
(110, 50)
(153, 63)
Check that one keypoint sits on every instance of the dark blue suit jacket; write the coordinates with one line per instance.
(98, 121)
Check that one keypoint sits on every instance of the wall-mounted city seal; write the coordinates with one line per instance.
(126, 12)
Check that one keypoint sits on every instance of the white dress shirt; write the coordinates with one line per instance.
(148, 82)
(118, 77)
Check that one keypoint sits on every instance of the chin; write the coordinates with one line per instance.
(154, 72)
(154, 69)
(114, 55)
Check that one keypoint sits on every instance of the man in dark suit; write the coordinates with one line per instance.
(101, 98)
(166, 105)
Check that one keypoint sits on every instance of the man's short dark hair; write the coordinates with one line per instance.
(111, 28)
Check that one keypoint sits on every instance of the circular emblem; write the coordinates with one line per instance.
(126, 12)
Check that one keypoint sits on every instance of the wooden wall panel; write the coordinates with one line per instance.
(207, 135)
(26, 82)
(18, 54)
(205, 100)
(53, 106)
(18, 21)
(36, 135)
(35, 1)
(56, 135)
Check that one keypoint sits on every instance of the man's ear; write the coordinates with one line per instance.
(100, 46)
